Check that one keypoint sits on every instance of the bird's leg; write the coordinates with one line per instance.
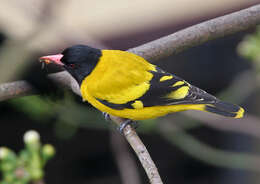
(122, 126)
(106, 116)
(130, 122)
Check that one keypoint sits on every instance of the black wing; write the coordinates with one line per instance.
(167, 89)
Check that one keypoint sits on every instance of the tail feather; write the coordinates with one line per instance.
(210, 103)
(225, 109)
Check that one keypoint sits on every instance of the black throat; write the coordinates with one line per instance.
(85, 59)
(88, 67)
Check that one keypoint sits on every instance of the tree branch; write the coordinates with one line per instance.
(15, 89)
(124, 159)
(22, 88)
(198, 34)
(141, 151)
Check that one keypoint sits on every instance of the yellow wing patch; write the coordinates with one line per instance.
(240, 113)
(166, 77)
(178, 83)
(179, 93)
(138, 104)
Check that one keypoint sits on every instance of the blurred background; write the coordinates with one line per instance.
(190, 147)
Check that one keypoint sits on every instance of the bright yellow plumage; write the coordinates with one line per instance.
(126, 85)
(124, 80)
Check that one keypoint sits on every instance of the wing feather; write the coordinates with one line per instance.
(165, 89)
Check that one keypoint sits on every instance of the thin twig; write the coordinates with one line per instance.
(141, 151)
(124, 159)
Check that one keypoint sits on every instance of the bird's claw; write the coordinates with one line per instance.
(122, 126)
(106, 116)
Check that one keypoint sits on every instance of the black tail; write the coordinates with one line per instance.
(212, 104)
(225, 109)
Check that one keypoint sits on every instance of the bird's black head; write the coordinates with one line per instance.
(80, 60)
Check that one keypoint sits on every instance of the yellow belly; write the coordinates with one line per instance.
(141, 114)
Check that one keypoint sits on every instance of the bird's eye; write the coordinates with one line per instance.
(72, 65)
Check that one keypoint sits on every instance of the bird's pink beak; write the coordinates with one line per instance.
(56, 59)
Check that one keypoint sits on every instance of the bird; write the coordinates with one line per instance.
(126, 85)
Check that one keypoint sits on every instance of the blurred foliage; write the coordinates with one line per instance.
(38, 108)
(68, 114)
(206, 153)
(28, 164)
(250, 47)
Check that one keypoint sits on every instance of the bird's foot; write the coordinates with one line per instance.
(106, 116)
(122, 126)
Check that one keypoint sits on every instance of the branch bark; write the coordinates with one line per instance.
(124, 159)
(141, 151)
(15, 89)
(198, 34)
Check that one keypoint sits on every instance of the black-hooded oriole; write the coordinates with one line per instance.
(126, 85)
